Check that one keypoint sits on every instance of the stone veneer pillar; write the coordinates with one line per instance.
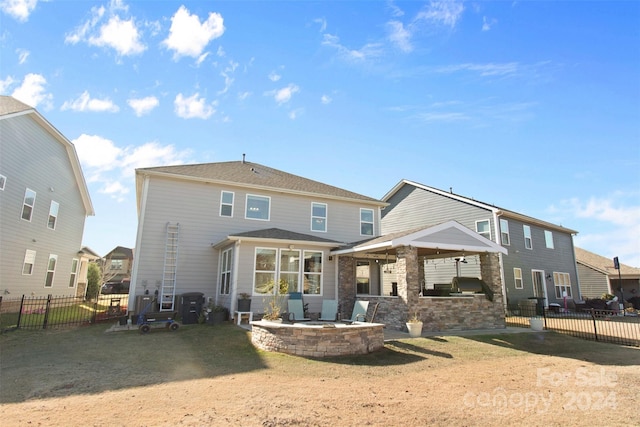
(409, 280)
(346, 285)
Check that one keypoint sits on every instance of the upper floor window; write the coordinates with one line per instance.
(504, 232)
(517, 277)
(226, 203)
(366, 222)
(528, 243)
(3, 180)
(116, 264)
(53, 215)
(318, 216)
(548, 239)
(74, 273)
(51, 270)
(562, 282)
(483, 228)
(258, 207)
(225, 271)
(29, 202)
(29, 261)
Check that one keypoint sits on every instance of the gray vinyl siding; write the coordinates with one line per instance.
(32, 158)
(196, 207)
(592, 282)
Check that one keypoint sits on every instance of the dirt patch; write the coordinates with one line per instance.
(204, 375)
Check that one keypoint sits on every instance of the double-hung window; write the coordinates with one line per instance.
(312, 273)
(28, 204)
(366, 222)
(51, 270)
(53, 215)
(225, 271)
(504, 232)
(258, 207)
(517, 278)
(3, 180)
(528, 243)
(318, 216)
(548, 239)
(74, 273)
(562, 282)
(226, 203)
(29, 261)
(289, 270)
(483, 228)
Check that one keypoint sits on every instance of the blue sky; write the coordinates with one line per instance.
(533, 106)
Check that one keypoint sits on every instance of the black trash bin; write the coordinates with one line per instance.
(191, 306)
(539, 305)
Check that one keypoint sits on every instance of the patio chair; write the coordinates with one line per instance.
(296, 311)
(298, 295)
(329, 310)
(359, 312)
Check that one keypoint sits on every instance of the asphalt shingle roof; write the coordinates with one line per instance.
(603, 264)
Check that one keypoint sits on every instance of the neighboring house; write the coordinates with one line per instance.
(227, 228)
(44, 202)
(87, 255)
(540, 261)
(118, 264)
(598, 276)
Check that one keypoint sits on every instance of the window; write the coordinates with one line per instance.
(74, 273)
(29, 261)
(318, 217)
(53, 215)
(3, 180)
(504, 232)
(562, 282)
(289, 270)
(483, 228)
(366, 222)
(225, 271)
(312, 272)
(258, 207)
(528, 243)
(363, 277)
(29, 202)
(116, 264)
(226, 203)
(517, 277)
(51, 270)
(265, 271)
(548, 239)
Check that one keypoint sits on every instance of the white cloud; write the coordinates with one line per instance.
(399, 36)
(274, 77)
(243, 95)
(325, 99)
(395, 10)
(18, 9)
(118, 32)
(32, 91)
(488, 23)
(85, 103)
(368, 51)
(491, 69)
(322, 22)
(23, 54)
(143, 106)
(189, 37)
(444, 12)
(6, 84)
(193, 107)
(227, 74)
(96, 153)
(150, 154)
(283, 95)
(294, 114)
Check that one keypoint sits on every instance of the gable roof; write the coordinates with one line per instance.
(11, 107)
(450, 236)
(495, 209)
(277, 234)
(254, 176)
(121, 251)
(604, 265)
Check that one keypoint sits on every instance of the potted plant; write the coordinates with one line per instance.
(273, 308)
(218, 314)
(414, 326)
(244, 302)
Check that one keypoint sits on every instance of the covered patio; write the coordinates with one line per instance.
(400, 295)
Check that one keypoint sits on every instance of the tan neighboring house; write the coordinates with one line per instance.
(598, 276)
(44, 202)
(119, 263)
(87, 256)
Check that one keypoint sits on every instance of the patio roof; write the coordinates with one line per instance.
(443, 240)
(276, 235)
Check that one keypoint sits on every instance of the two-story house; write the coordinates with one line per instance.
(540, 262)
(599, 275)
(44, 202)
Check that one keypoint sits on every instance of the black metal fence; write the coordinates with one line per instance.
(616, 327)
(31, 312)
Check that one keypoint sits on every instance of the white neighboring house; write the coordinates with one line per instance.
(44, 202)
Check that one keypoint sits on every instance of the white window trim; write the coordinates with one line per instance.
(74, 274)
(278, 270)
(222, 204)
(313, 273)
(24, 203)
(518, 272)
(526, 230)
(255, 270)
(3, 182)
(488, 221)
(548, 239)
(562, 283)
(372, 222)
(326, 214)
(504, 232)
(53, 272)
(228, 255)
(247, 207)
(29, 258)
(57, 210)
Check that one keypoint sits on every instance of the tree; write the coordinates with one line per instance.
(93, 280)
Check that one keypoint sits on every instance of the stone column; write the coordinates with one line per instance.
(346, 285)
(409, 280)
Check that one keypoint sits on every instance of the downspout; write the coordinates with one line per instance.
(137, 249)
(496, 214)
(234, 278)
(575, 267)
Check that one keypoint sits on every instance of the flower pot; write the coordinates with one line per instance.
(536, 323)
(244, 305)
(415, 329)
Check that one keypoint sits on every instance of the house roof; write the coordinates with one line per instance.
(277, 234)
(254, 176)
(11, 107)
(439, 240)
(121, 251)
(604, 265)
(497, 210)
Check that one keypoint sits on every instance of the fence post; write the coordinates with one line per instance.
(595, 328)
(20, 312)
(95, 311)
(46, 312)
